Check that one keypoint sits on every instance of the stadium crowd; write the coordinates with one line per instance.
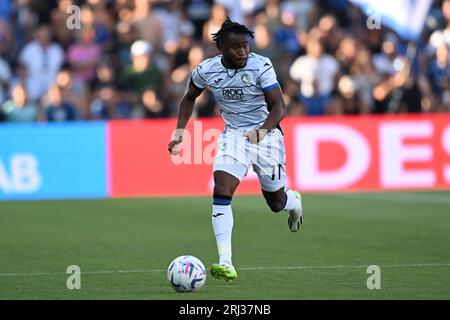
(132, 59)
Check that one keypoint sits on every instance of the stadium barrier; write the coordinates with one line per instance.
(130, 158)
(48, 161)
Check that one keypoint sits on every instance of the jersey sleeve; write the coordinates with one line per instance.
(267, 76)
(198, 79)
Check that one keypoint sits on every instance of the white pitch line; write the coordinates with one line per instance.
(415, 198)
(83, 272)
(413, 265)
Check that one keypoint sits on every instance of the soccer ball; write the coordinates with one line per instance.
(186, 273)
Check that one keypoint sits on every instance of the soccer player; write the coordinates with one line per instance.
(251, 103)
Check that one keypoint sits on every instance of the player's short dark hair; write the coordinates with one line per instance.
(229, 26)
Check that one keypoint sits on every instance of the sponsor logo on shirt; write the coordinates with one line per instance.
(233, 94)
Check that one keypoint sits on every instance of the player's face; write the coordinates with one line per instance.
(235, 50)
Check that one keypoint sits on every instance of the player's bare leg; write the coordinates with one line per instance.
(225, 185)
(286, 200)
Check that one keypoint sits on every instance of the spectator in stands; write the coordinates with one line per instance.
(19, 76)
(198, 11)
(218, 15)
(5, 9)
(440, 36)
(83, 56)
(330, 33)
(97, 21)
(43, 59)
(102, 105)
(143, 73)
(439, 71)
(152, 105)
(414, 95)
(144, 20)
(384, 61)
(264, 44)
(24, 22)
(59, 18)
(104, 17)
(72, 94)
(346, 54)
(6, 40)
(19, 108)
(5, 78)
(385, 99)
(174, 23)
(180, 77)
(105, 74)
(108, 103)
(286, 35)
(347, 100)
(126, 36)
(364, 75)
(316, 73)
(56, 109)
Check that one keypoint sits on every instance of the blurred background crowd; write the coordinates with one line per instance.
(132, 59)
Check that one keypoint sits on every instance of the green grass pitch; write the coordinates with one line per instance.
(123, 247)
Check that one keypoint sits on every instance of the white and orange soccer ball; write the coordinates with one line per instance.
(186, 274)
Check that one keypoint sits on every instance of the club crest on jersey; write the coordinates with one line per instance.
(233, 94)
(246, 78)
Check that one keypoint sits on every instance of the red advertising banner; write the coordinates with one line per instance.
(323, 154)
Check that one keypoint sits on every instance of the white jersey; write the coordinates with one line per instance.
(240, 92)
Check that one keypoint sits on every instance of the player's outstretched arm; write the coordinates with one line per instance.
(184, 114)
(277, 112)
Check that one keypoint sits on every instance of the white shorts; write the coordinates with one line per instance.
(268, 158)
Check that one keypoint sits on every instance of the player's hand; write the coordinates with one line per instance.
(174, 145)
(255, 136)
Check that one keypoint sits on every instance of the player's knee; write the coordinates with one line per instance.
(220, 189)
(275, 205)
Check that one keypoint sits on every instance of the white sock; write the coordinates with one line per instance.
(222, 221)
(292, 202)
